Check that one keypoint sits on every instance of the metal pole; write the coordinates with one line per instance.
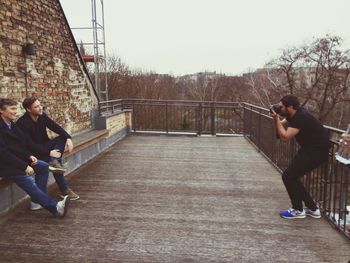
(166, 118)
(200, 118)
(104, 53)
(133, 116)
(212, 113)
(95, 38)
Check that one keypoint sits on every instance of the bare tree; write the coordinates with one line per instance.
(331, 69)
(317, 73)
(265, 86)
(204, 86)
(119, 78)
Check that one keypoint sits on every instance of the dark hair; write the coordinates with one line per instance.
(28, 102)
(7, 102)
(291, 100)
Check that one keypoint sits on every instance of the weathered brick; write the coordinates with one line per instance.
(43, 85)
(54, 73)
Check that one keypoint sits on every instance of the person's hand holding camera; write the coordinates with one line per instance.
(275, 110)
(273, 114)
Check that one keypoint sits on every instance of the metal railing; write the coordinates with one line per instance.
(328, 184)
(169, 116)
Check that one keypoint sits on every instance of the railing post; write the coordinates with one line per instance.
(212, 115)
(245, 120)
(251, 123)
(166, 117)
(259, 131)
(99, 108)
(343, 185)
(346, 196)
(200, 112)
(133, 116)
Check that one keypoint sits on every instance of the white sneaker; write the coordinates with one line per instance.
(62, 206)
(35, 206)
(314, 214)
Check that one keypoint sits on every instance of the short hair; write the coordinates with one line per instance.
(291, 100)
(28, 102)
(4, 103)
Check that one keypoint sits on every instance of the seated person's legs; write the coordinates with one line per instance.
(27, 183)
(61, 182)
(57, 143)
(57, 169)
(41, 174)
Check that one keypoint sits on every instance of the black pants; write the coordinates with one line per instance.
(303, 162)
(57, 143)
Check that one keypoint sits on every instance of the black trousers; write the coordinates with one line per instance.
(303, 162)
(59, 144)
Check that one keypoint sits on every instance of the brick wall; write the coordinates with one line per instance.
(116, 123)
(128, 119)
(55, 73)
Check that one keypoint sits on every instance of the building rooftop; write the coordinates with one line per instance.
(172, 199)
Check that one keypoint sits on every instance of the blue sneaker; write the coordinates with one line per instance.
(292, 214)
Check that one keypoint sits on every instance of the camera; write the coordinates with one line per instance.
(276, 108)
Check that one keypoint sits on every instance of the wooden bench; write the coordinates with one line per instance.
(85, 139)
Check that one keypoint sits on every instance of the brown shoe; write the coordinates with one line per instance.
(72, 196)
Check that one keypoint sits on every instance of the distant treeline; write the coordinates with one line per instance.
(318, 73)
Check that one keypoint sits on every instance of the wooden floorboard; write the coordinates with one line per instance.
(172, 199)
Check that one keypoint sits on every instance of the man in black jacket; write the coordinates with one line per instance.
(314, 146)
(17, 162)
(35, 124)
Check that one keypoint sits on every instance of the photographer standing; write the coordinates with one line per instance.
(314, 146)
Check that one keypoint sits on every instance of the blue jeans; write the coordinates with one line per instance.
(36, 189)
(57, 143)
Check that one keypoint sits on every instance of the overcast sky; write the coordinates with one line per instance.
(229, 36)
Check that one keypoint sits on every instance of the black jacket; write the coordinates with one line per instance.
(15, 150)
(37, 130)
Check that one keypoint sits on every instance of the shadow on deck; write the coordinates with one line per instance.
(173, 199)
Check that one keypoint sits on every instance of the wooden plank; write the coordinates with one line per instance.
(173, 199)
(84, 140)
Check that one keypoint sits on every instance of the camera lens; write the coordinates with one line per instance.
(276, 108)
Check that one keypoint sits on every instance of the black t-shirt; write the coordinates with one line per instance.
(312, 135)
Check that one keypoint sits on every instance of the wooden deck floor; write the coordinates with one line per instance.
(172, 199)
